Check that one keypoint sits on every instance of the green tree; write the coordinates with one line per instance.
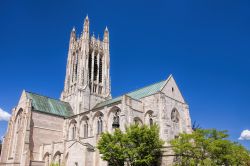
(112, 146)
(138, 145)
(209, 148)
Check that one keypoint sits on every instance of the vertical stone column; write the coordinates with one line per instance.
(97, 80)
(105, 73)
(28, 149)
(102, 59)
(86, 76)
(78, 127)
(108, 82)
(79, 71)
(51, 152)
(92, 71)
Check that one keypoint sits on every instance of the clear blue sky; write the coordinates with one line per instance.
(204, 44)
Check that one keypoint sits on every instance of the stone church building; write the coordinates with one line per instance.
(43, 130)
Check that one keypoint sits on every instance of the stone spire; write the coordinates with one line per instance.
(106, 35)
(86, 25)
(73, 34)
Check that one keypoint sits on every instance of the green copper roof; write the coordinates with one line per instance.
(49, 105)
(138, 94)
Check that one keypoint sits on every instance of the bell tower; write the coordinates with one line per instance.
(87, 80)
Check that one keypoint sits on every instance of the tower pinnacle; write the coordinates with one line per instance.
(106, 35)
(87, 17)
(106, 29)
(86, 28)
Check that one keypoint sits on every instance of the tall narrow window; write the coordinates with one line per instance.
(95, 68)
(76, 66)
(151, 122)
(73, 67)
(116, 121)
(74, 131)
(16, 134)
(99, 125)
(94, 88)
(90, 64)
(100, 90)
(100, 70)
(85, 129)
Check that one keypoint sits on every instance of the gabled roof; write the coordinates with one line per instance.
(48, 105)
(137, 94)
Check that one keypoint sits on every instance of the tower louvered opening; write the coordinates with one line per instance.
(100, 70)
(90, 72)
(95, 68)
(76, 66)
(90, 62)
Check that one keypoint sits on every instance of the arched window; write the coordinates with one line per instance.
(72, 130)
(57, 158)
(116, 119)
(85, 129)
(99, 125)
(17, 133)
(46, 159)
(149, 118)
(175, 116)
(138, 121)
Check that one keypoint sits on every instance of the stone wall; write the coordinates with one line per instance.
(46, 129)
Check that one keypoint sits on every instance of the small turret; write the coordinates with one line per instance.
(86, 27)
(106, 35)
(106, 38)
(72, 37)
(93, 37)
(73, 33)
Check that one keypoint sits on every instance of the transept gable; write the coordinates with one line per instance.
(171, 90)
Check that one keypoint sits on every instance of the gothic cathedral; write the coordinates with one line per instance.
(43, 130)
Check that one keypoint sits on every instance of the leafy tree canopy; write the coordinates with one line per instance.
(138, 145)
(208, 147)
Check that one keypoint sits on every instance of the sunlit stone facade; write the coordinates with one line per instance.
(43, 130)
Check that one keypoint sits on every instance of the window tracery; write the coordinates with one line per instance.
(99, 125)
(85, 129)
(175, 116)
(116, 120)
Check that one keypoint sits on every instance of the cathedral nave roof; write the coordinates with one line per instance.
(48, 105)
